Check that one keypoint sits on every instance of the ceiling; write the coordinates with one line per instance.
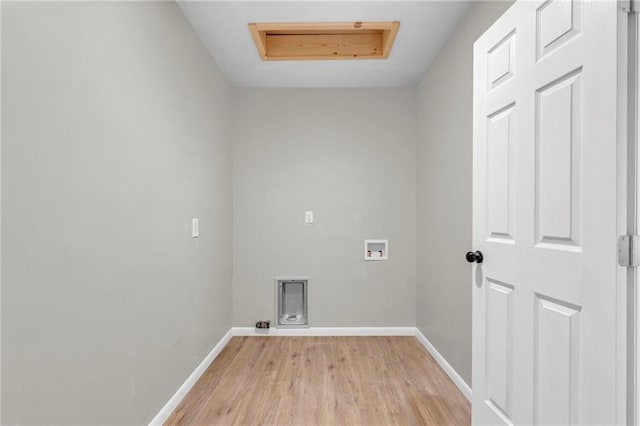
(425, 26)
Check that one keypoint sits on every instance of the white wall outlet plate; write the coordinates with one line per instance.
(308, 217)
(195, 231)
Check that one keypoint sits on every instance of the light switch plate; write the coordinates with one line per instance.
(195, 231)
(308, 217)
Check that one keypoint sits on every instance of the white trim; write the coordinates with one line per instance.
(453, 374)
(627, 210)
(326, 331)
(171, 405)
(0, 213)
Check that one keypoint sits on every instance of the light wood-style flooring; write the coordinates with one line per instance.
(323, 381)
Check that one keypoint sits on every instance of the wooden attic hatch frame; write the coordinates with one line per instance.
(289, 41)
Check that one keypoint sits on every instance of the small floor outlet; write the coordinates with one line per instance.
(263, 324)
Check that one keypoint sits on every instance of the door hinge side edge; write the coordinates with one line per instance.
(628, 6)
(629, 251)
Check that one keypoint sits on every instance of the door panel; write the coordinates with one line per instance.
(499, 196)
(556, 362)
(557, 21)
(499, 346)
(501, 61)
(545, 132)
(558, 183)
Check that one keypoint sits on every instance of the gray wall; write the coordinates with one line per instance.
(444, 191)
(348, 155)
(114, 136)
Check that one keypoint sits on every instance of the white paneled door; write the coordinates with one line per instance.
(545, 209)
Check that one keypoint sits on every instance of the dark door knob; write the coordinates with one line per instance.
(475, 257)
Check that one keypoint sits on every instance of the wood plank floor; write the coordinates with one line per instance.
(323, 381)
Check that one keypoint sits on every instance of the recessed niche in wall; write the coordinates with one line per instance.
(376, 250)
(291, 298)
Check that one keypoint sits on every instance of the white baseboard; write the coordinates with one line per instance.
(453, 374)
(326, 331)
(166, 411)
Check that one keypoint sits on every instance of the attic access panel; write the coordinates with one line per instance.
(290, 41)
